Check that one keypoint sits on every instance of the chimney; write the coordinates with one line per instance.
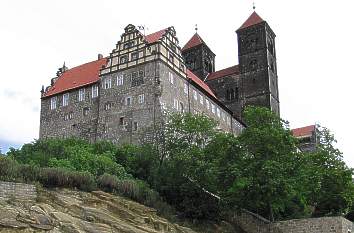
(99, 57)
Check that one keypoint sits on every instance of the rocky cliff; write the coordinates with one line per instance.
(63, 210)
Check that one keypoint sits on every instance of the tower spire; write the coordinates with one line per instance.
(196, 28)
(254, 6)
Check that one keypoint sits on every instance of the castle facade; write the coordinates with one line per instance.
(124, 97)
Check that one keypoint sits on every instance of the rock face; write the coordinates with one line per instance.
(63, 210)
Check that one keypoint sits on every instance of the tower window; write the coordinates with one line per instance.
(170, 76)
(123, 59)
(135, 126)
(85, 111)
(121, 121)
(107, 106)
(141, 98)
(128, 101)
(181, 107)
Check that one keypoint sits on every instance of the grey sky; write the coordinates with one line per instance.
(315, 45)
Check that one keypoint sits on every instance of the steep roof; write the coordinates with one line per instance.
(153, 37)
(224, 72)
(303, 131)
(194, 41)
(77, 77)
(252, 20)
(199, 82)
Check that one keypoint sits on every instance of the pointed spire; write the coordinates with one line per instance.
(196, 28)
(252, 20)
(254, 6)
(194, 41)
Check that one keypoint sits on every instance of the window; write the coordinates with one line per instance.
(181, 107)
(207, 103)
(185, 88)
(223, 116)
(171, 57)
(66, 99)
(170, 76)
(128, 101)
(107, 83)
(195, 95)
(141, 73)
(134, 56)
(120, 80)
(85, 111)
(213, 108)
(66, 117)
(107, 106)
(181, 67)
(82, 94)
(71, 115)
(201, 99)
(135, 126)
(94, 91)
(175, 104)
(53, 103)
(141, 98)
(121, 121)
(123, 59)
(218, 112)
(128, 45)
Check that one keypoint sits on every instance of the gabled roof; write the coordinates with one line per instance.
(252, 20)
(153, 37)
(306, 131)
(78, 76)
(224, 72)
(199, 82)
(194, 41)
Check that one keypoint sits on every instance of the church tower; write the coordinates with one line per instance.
(198, 57)
(258, 67)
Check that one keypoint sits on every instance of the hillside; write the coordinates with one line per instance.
(63, 210)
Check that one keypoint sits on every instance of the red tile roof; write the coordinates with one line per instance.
(303, 131)
(77, 77)
(224, 72)
(153, 37)
(194, 41)
(252, 20)
(199, 82)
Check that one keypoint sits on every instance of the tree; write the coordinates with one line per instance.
(266, 182)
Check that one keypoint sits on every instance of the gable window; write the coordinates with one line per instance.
(170, 76)
(134, 56)
(195, 95)
(120, 80)
(66, 99)
(94, 91)
(82, 94)
(185, 88)
(107, 83)
(128, 101)
(53, 103)
(123, 59)
(135, 126)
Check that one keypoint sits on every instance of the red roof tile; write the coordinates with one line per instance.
(221, 73)
(252, 20)
(303, 131)
(153, 37)
(199, 82)
(194, 41)
(77, 77)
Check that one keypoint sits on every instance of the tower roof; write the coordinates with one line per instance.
(252, 20)
(194, 41)
(303, 131)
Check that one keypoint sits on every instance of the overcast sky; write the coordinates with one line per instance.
(315, 47)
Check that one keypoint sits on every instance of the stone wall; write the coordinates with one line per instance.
(17, 190)
(316, 225)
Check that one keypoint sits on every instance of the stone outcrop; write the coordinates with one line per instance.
(63, 210)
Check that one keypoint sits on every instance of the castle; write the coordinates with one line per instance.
(123, 98)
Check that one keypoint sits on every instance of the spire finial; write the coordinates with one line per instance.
(196, 28)
(254, 6)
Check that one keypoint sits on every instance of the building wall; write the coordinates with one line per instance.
(17, 190)
(70, 121)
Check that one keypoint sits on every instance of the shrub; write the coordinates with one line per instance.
(8, 169)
